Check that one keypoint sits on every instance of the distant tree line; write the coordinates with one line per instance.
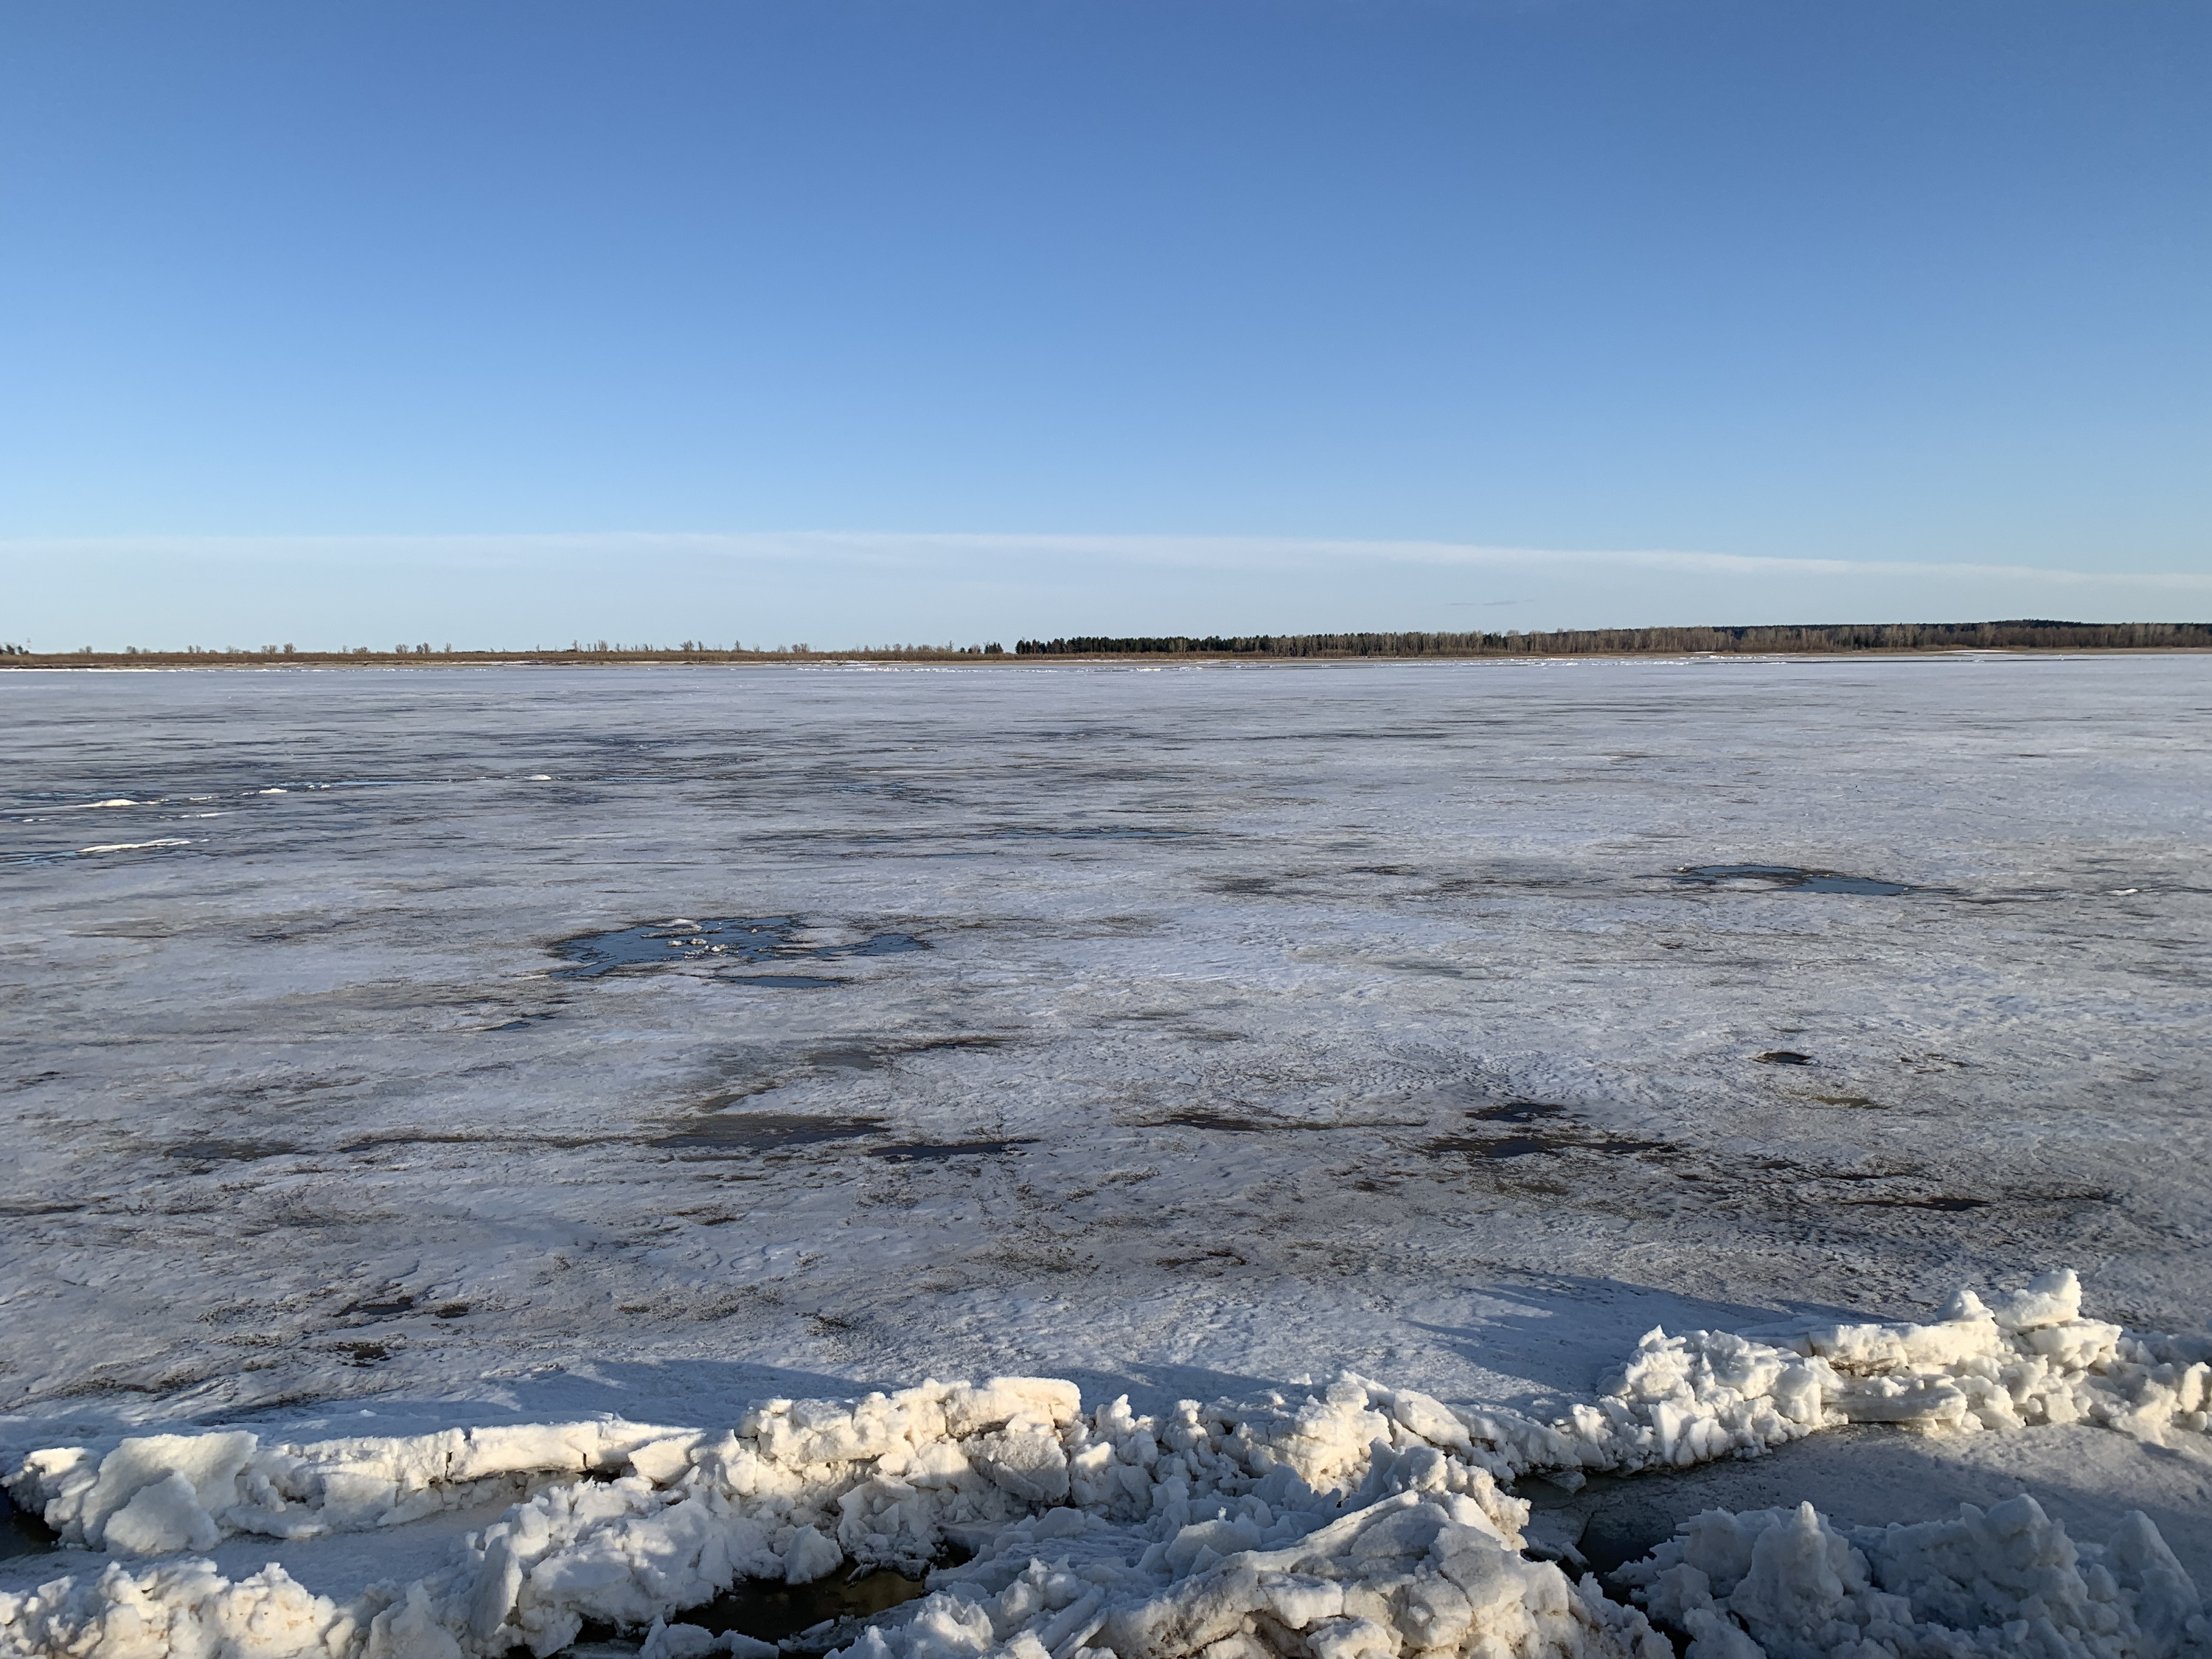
(574, 651)
(1841, 638)
(1614, 641)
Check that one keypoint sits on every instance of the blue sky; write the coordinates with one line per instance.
(969, 319)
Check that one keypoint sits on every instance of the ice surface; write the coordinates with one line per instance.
(1272, 1023)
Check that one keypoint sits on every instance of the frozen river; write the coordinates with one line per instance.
(532, 1041)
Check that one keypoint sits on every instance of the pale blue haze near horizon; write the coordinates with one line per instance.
(504, 323)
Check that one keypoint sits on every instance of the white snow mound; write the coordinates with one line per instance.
(1366, 1523)
(1786, 1585)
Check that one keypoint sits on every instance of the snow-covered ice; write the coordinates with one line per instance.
(1404, 1021)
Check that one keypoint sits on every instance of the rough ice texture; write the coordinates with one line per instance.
(1365, 1521)
(1242, 989)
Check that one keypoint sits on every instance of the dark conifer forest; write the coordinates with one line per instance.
(1619, 641)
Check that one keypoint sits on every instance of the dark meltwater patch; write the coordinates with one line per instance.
(731, 1133)
(922, 1152)
(801, 1619)
(734, 941)
(230, 1152)
(23, 1533)
(1558, 1135)
(1778, 876)
(1517, 1111)
(1220, 1122)
(1086, 832)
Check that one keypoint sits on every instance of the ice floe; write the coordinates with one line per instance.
(1361, 1522)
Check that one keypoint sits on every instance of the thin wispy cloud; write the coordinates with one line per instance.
(1042, 552)
(841, 588)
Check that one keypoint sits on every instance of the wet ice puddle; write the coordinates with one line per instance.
(743, 941)
(1784, 878)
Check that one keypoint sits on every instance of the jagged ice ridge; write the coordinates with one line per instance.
(1367, 1522)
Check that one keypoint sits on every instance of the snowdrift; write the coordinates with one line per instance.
(1366, 1523)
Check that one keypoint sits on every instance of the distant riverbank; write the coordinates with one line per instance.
(1878, 639)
